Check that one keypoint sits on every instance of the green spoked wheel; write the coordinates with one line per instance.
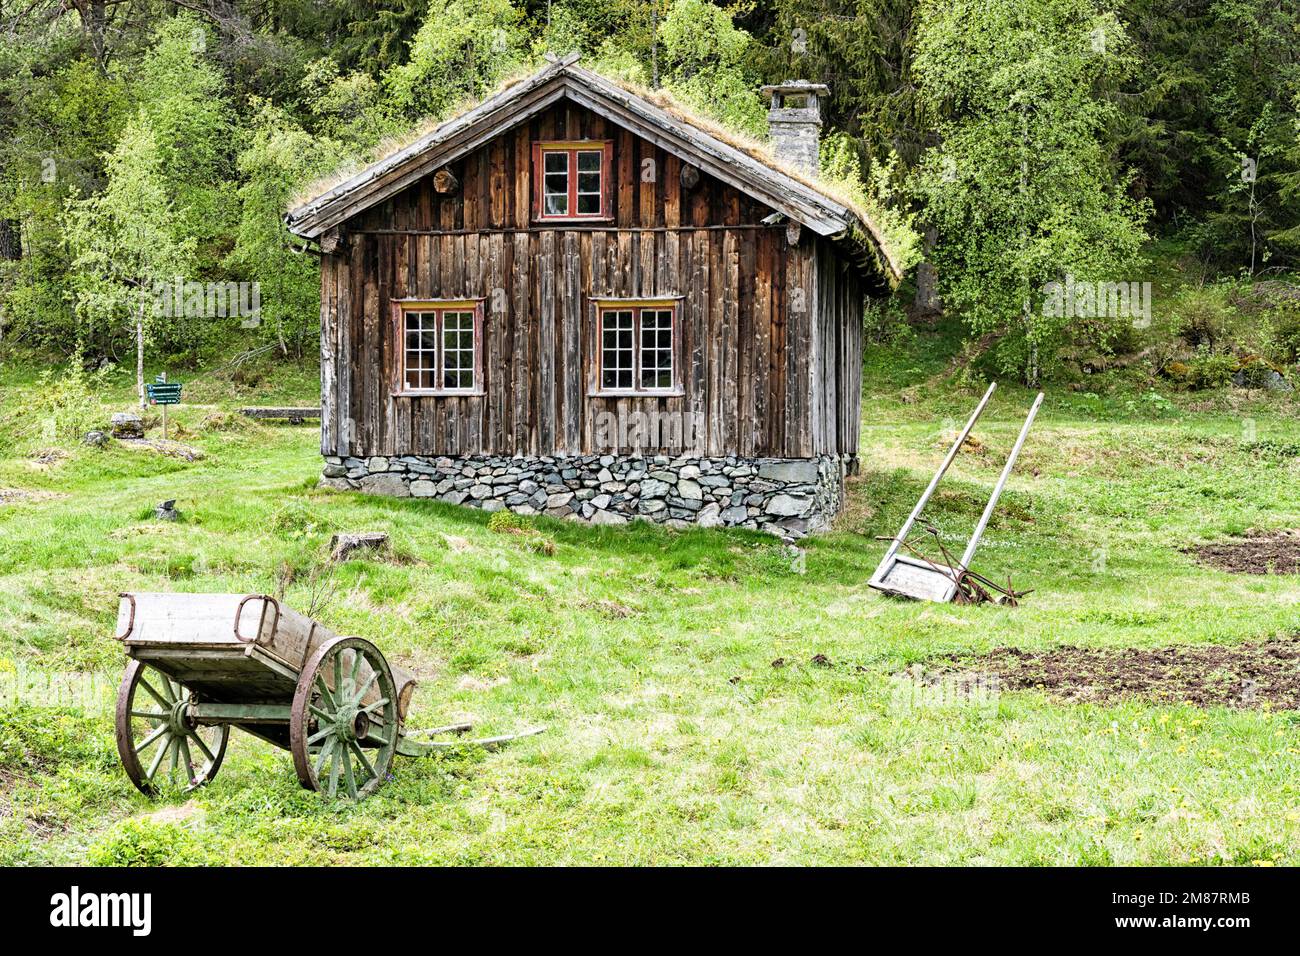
(159, 744)
(344, 724)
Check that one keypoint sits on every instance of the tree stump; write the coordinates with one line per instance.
(343, 545)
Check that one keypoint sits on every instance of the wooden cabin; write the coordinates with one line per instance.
(577, 299)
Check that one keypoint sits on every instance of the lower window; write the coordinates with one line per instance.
(637, 344)
(440, 347)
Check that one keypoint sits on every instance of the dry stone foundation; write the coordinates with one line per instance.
(785, 497)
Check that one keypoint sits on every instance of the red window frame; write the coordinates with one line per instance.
(636, 307)
(571, 148)
(440, 308)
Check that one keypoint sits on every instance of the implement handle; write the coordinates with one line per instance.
(934, 482)
(423, 748)
(997, 490)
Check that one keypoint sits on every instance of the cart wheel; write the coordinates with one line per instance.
(153, 729)
(344, 726)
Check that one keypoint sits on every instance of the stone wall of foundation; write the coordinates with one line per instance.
(785, 497)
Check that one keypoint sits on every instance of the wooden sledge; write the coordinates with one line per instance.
(915, 577)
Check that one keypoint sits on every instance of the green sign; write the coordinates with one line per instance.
(164, 393)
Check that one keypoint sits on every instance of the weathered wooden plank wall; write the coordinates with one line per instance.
(768, 336)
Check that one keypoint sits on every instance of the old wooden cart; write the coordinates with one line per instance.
(203, 663)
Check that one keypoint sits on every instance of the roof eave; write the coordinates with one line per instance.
(821, 214)
(312, 218)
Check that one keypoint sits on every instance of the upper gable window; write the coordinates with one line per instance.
(571, 180)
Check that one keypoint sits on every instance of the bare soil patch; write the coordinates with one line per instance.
(15, 495)
(1259, 552)
(610, 609)
(172, 449)
(1247, 676)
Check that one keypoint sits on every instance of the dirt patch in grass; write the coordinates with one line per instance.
(9, 496)
(1259, 552)
(1206, 675)
(169, 448)
(611, 609)
(46, 457)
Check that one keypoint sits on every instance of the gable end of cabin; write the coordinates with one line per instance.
(575, 319)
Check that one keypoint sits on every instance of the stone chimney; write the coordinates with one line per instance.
(795, 121)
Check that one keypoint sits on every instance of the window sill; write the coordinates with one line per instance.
(635, 393)
(543, 221)
(438, 393)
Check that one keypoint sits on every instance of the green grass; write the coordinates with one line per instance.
(648, 654)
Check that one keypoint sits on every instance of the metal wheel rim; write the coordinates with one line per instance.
(152, 745)
(325, 757)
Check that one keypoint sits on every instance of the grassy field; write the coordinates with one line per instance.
(649, 654)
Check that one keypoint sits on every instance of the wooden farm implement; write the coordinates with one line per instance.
(916, 575)
(203, 663)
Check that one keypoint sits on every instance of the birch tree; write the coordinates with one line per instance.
(121, 242)
(1023, 188)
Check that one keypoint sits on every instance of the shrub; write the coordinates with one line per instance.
(67, 403)
(507, 522)
(1284, 333)
(884, 323)
(32, 738)
(220, 421)
(1202, 315)
(1206, 369)
(144, 842)
(1179, 372)
(296, 519)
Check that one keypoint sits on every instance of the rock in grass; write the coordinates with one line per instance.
(167, 511)
(1260, 375)
(343, 545)
(126, 425)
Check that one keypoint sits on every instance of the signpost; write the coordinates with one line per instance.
(164, 393)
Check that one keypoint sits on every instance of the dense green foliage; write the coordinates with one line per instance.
(1022, 184)
(1030, 141)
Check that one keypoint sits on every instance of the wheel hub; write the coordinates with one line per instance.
(351, 724)
(178, 719)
